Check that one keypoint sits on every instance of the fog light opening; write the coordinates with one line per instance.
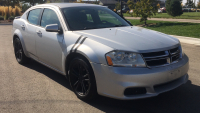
(135, 91)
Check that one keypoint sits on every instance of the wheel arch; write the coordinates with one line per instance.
(89, 50)
(18, 34)
(73, 55)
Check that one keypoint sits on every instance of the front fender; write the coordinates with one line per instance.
(18, 33)
(90, 49)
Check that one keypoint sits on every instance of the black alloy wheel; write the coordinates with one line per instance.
(19, 53)
(82, 79)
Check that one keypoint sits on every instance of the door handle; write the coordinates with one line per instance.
(23, 27)
(39, 32)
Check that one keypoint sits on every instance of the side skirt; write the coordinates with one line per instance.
(49, 66)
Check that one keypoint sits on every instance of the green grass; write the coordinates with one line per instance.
(185, 15)
(173, 28)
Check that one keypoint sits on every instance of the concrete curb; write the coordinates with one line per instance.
(188, 40)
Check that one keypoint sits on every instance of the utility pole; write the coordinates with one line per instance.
(121, 8)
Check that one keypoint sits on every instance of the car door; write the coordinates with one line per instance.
(28, 30)
(49, 44)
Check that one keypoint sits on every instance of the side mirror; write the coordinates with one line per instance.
(54, 28)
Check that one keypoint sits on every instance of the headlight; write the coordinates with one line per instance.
(125, 59)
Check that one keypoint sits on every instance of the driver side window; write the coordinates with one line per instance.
(49, 17)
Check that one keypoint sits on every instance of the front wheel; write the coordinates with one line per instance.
(82, 79)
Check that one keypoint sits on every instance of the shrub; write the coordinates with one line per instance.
(6, 13)
(12, 11)
(1, 11)
(1, 18)
(16, 11)
(11, 18)
(174, 8)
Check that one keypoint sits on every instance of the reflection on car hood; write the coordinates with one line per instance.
(131, 38)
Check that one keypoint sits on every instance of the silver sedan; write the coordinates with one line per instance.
(99, 52)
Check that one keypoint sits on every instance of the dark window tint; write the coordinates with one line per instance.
(34, 16)
(83, 18)
(49, 17)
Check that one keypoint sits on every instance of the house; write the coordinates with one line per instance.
(162, 3)
(109, 3)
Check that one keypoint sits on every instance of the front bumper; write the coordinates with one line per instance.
(112, 81)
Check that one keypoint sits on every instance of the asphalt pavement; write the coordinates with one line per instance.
(35, 88)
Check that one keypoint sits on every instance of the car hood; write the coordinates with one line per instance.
(131, 38)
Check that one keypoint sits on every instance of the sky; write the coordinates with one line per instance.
(184, 1)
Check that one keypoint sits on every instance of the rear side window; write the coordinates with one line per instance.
(34, 16)
(49, 17)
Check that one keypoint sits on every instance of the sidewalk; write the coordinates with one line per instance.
(165, 19)
(188, 40)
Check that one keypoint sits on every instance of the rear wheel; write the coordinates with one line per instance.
(19, 53)
(82, 79)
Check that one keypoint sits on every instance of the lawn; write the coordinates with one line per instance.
(185, 15)
(173, 28)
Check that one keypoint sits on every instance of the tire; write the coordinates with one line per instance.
(82, 79)
(19, 53)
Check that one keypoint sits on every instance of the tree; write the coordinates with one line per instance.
(96, 2)
(130, 4)
(173, 8)
(198, 5)
(79, 1)
(9, 3)
(158, 5)
(25, 7)
(117, 6)
(182, 5)
(33, 2)
(143, 8)
(189, 3)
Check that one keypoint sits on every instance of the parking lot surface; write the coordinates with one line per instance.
(36, 88)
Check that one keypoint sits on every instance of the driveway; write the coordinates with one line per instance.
(36, 88)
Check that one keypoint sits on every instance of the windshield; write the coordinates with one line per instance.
(83, 18)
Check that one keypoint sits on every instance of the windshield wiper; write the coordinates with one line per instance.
(88, 28)
(119, 25)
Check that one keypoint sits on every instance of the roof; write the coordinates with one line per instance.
(108, 1)
(63, 5)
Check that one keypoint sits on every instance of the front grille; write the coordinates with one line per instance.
(156, 62)
(154, 54)
(162, 57)
(174, 50)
